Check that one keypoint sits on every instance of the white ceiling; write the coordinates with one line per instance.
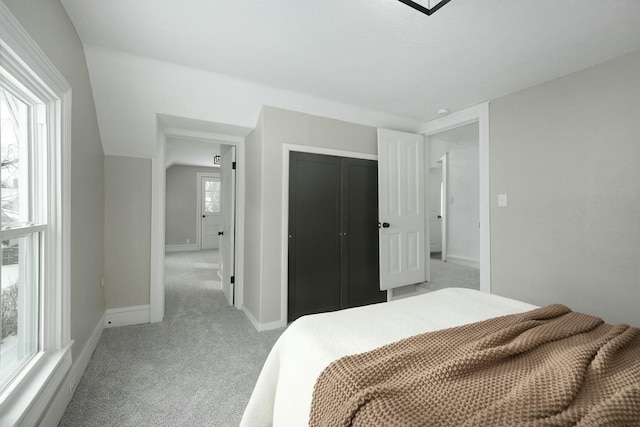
(461, 135)
(188, 152)
(376, 54)
(196, 142)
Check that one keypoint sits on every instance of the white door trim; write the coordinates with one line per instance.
(286, 150)
(478, 113)
(445, 207)
(158, 195)
(199, 176)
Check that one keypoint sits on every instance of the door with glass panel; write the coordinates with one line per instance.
(210, 212)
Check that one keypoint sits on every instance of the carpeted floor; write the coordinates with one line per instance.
(449, 274)
(197, 368)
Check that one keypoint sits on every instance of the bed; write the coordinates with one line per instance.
(450, 357)
(283, 393)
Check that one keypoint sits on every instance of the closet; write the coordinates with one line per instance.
(333, 234)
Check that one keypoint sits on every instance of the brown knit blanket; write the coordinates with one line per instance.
(546, 367)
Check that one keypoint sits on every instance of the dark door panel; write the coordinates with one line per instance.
(314, 227)
(361, 262)
(333, 234)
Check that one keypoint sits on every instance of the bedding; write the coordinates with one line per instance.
(549, 366)
(283, 392)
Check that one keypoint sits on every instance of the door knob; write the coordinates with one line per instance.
(203, 216)
(385, 225)
(220, 233)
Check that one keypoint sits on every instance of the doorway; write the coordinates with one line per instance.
(436, 205)
(197, 132)
(200, 201)
(208, 210)
(441, 132)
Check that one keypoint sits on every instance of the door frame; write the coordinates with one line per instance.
(444, 201)
(158, 196)
(199, 176)
(441, 205)
(286, 150)
(480, 114)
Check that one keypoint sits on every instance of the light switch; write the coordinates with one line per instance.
(502, 200)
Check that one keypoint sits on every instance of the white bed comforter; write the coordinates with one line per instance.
(283, 392)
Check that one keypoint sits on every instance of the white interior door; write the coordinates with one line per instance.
(435, 209)
(401, 204)
(227, 226)
(210, 188)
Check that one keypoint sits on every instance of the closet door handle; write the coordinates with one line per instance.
(384, 225)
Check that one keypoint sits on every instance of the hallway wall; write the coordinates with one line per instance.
(181, 203)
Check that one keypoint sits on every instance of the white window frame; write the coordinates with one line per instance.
(26, 399)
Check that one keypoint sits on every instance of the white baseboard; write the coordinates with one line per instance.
(262, 326)
(126, 316)
(469, 262)
(59, 404)
(405, 292)
(181, 248)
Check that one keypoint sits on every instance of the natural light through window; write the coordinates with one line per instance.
(35, 159)
(23, 196)
(212, 196)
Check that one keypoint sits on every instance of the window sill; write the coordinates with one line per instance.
(27, 402)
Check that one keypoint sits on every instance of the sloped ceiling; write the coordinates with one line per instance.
(378, 55)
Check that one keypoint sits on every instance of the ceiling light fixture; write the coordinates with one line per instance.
(428, 9)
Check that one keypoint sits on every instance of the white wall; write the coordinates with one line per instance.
(437, 149)
(131, 89)
(567, 154)
(464, 213)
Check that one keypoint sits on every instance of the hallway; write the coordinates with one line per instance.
(196, 368)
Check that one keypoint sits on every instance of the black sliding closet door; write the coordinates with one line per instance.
(360, 248)
(314, 240)
(333, 234)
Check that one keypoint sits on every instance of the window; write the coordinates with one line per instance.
(22, 226)
(212, 195)
(35, 344)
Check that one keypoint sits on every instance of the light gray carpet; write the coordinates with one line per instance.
(197, 368)
(448, 275)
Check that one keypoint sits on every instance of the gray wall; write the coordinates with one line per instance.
(253, 214)
(181, 203)
(127, 231)
(567, 153)
(50, 27)
(264, 194)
